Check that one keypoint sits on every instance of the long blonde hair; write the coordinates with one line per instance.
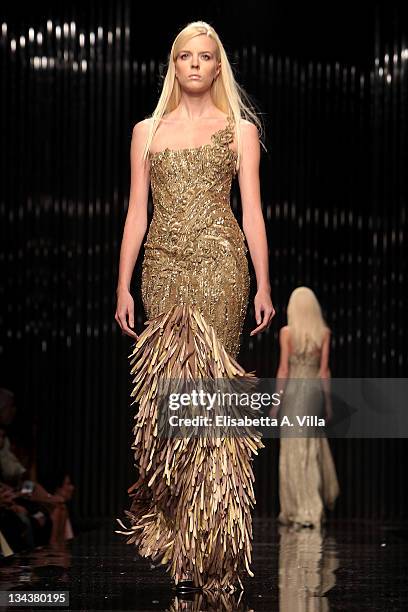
(305, 319)
(226, 93)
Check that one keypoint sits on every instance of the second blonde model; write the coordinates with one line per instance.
(307, 475)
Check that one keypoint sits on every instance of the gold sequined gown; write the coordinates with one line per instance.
(191, 506)
(307, 476)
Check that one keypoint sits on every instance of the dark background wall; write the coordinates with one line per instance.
(332, 86)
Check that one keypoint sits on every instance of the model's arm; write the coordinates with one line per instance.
(325, 374)
(134, 229)
(253, 224)
(283, 369)
(324, 371)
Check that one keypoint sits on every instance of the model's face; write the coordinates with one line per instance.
(197, 65)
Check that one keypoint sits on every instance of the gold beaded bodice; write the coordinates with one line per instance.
(195, 251)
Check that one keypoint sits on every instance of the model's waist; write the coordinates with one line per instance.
(177, 233)
(209, 245)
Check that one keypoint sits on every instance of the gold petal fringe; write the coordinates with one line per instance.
(191, 506)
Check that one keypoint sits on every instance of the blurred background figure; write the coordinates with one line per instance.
(29, 514)
(307, 475)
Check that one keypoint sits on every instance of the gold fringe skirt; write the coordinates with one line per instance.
(191, 505)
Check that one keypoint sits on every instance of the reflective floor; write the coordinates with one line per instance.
(345, 566)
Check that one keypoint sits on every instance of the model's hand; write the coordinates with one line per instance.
(264, 311)
(125, 313)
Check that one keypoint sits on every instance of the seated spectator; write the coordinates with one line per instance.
(44, 515)
(60, 484)
(15, 526)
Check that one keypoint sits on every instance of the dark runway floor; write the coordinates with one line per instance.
(345, 566)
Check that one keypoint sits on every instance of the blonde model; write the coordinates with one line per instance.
(307, 476)
(191, 506)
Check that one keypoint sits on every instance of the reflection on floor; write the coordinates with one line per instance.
(344, 566)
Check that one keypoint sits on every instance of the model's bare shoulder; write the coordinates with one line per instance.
(141, 128)
(250, 138)
(249, 129)
(284, 338)
(140, 135)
